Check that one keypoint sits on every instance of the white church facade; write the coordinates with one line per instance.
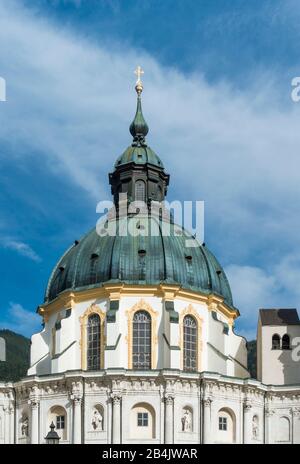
(138, 342)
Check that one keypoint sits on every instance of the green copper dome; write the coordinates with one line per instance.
(150, 259)
(149, 256)
(139, 155)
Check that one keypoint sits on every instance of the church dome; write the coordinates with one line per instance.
(148, 259)
(139, 155)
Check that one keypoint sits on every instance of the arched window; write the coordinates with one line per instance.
(140, 189)
(276, 342)
(93, 342)
(189, 343)
(141, 341)
(286, 342)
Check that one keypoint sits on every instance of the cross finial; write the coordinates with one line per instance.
(139, 85)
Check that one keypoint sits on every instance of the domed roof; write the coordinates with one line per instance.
(146, 259)
(139, 155)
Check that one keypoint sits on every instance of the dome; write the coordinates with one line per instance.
(148, 259)
(139, 155)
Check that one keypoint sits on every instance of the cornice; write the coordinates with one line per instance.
(68, 299)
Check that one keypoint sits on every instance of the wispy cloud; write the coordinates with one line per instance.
(20, 320)
(20, 247)
(255, 288)
(69, 106)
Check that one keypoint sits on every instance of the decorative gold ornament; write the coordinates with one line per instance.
(139, 85)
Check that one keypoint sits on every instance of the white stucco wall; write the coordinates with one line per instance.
(168, 394)
(220, 352)
(277, 366)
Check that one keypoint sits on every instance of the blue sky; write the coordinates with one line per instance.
(217, 94)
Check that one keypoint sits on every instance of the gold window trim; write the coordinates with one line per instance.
(191, 311)
(142, 305)
(93, 309)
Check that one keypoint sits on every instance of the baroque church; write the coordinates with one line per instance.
(138, 342)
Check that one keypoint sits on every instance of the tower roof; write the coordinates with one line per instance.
(286, 316)
(139, 155)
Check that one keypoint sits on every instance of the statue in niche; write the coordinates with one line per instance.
(25, 427)
(255, 429)
(97, 420)
(186, 421)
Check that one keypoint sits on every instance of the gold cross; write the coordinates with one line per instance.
(138, 72)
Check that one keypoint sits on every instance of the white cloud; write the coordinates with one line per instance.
(254, 288)
(20, 247)
(70, 103)
(21, 320)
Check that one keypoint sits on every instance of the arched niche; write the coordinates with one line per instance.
(97, 418)
(226, 426)
(255, 427)
(283, 430)
(58, 415)
(24, 425)
(142, 421)
(187, 419)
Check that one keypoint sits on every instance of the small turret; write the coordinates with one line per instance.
(139, 172)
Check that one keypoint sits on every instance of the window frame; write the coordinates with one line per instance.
(60, 420)
(142, 419)
(141, 304)
(286, 342)
(93, 351)
(142, 341)
(192, 311)
(223, 424)
(276, 337)
(140, 187)
(92, 309)
(190, 344)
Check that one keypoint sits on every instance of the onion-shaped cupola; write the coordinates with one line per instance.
(139, 172)
(139, 128)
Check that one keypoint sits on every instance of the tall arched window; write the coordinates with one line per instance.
(140, 189)
(286, 342)
(93, 342)
(276, 342)
(189, 343)
(141, 341)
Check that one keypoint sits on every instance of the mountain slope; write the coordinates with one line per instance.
(251, 346)
(17, 356)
